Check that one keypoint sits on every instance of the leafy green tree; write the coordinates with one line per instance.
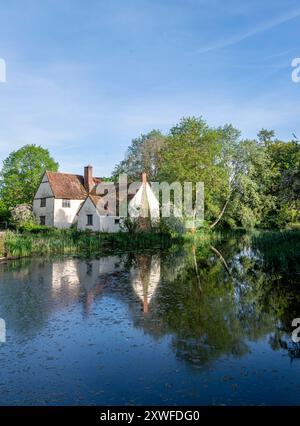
(195, 152)
(285, 186)
(247, 183)
(143, 155)
(265, 136)
(266, 183)
(21, 174)
(251, 199)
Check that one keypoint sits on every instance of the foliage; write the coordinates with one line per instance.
(73, 241)
(21, 174)
(22, 215)
(247, 183)
(143, 155)
(4, 213)
(171, 225)
(196, 152)
(129, 224)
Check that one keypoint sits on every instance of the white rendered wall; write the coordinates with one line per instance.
(65, 216)
(88, 208)
(44, 191)
(107, 224)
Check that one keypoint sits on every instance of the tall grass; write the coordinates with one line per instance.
(2, 248)
(80, 242)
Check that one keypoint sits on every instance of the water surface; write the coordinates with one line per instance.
(205, 324)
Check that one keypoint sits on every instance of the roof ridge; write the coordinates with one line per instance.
(64, 173)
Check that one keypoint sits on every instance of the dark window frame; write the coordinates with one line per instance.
(42, 220)
(43, 202)
(117, 221)
(89, 220)
(66, 204)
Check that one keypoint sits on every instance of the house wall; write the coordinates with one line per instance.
(100, 223)
(44, 191)
(47, 211)
(88, 208)
(65, 216)
(107, 224)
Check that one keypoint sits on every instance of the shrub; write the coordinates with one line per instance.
(33, 228)
(130, 225)
(22, 215)
(171, 225)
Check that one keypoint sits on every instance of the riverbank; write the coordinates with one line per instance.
(71, 241)
(2, 248)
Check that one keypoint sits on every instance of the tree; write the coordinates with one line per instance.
(285, 186)
(266, 136)
(266, 183)
(251, 199)
(143, 155)
(21, 174)
(195, 152)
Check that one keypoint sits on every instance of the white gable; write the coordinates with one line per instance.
(44, 190)
(136, 203)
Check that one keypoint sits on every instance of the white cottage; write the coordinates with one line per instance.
(64, 199)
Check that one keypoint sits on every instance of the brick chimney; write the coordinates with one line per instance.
(144, 178)
(88, 178)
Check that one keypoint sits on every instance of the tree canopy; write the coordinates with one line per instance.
(21, 174)
(143, 155)
(247, 183)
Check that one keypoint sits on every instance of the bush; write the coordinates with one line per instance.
(33, 228)
(171, 225)
(130, 225)
(22, 215)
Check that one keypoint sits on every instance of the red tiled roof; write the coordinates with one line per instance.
(68, 186)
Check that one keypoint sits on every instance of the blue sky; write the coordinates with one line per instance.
(85, 77)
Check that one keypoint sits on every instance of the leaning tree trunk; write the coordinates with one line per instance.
(221, 214)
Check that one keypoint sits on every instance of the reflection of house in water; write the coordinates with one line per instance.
(72, 278)
(86, 279)
(40, 287)
(64, 276)
(145, 278)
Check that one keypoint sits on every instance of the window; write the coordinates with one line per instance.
(117, 221)
(43, 202)
(89, 219)
(42, 220)
(66, 203)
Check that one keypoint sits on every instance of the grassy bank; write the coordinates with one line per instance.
(69, 241)
(2, 250)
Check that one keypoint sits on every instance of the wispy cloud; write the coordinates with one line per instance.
(250, 33)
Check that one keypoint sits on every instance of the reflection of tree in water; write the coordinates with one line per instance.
(234, 304)
(211, 300)
(207, 323)
(272, 275)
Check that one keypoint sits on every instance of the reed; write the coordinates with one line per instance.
(71, 241)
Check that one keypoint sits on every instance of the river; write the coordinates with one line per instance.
(195, 324)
